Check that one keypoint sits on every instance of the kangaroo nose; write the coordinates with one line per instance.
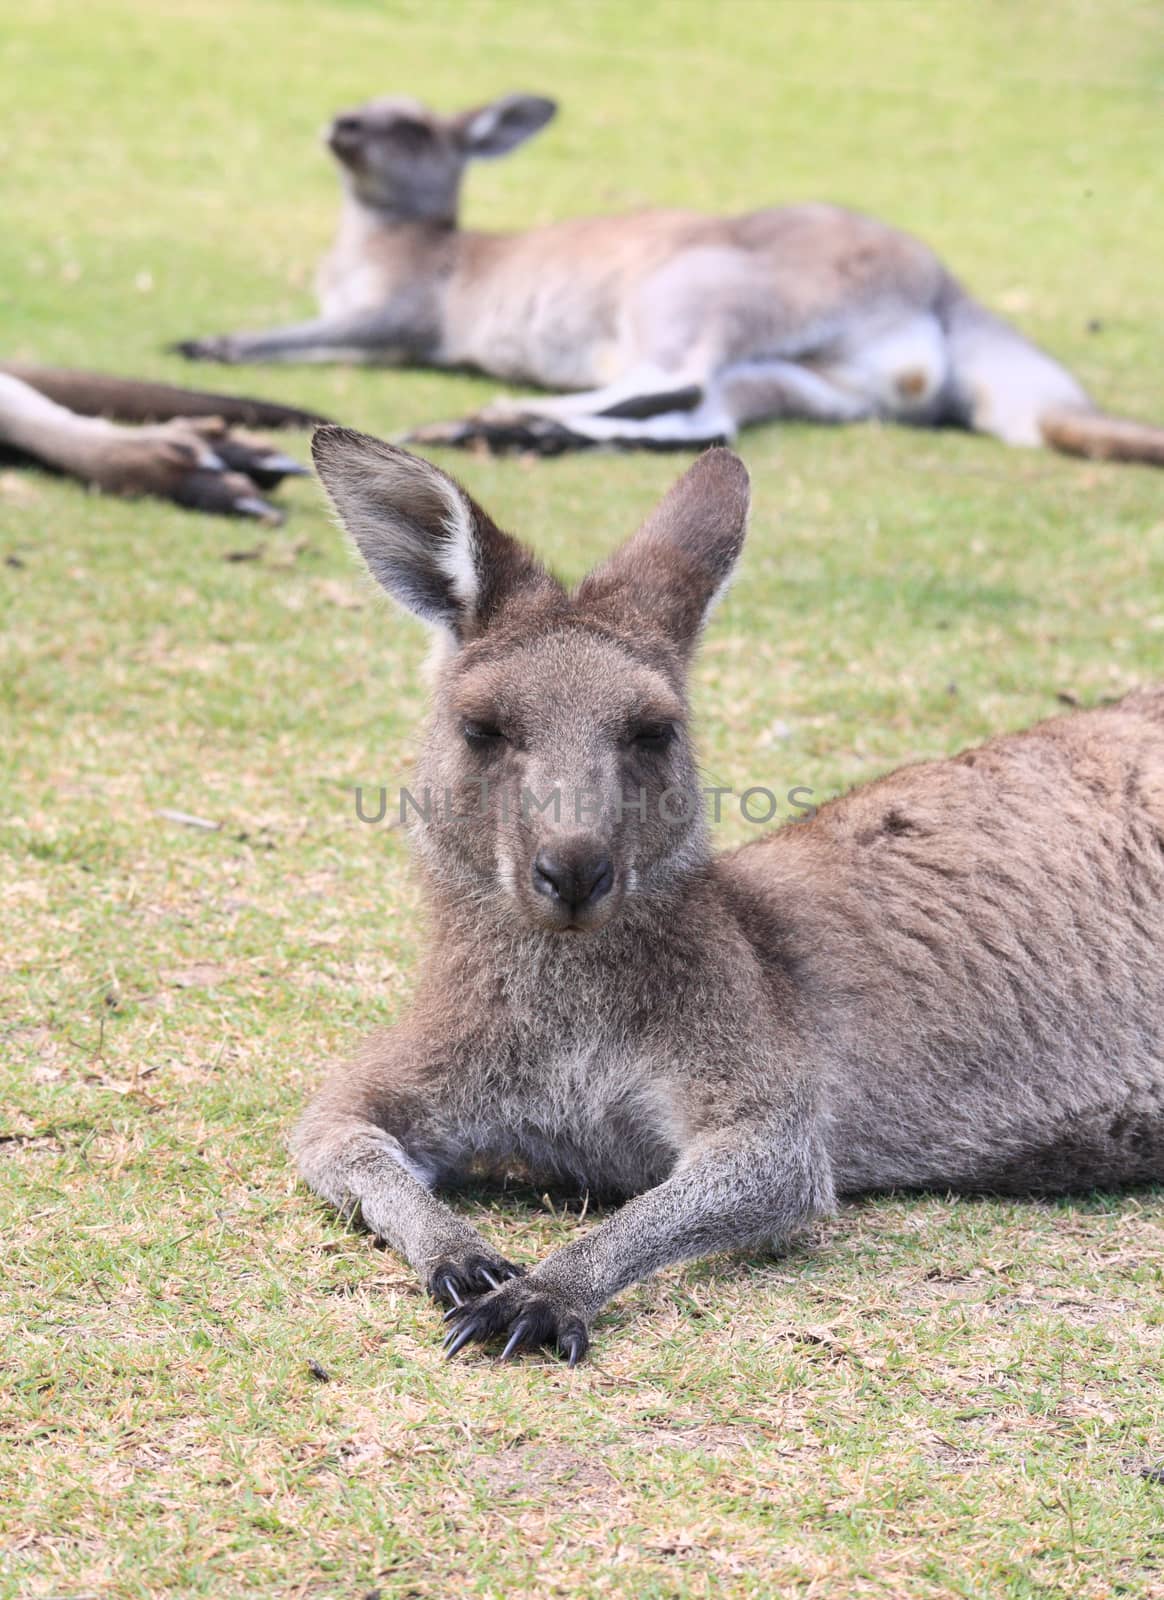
(575, 883)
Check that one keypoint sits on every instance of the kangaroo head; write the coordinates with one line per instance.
(558, 778)
(401, 158)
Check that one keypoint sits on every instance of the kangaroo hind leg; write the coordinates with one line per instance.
(1001, 383)
(550, 425)
(631, 424)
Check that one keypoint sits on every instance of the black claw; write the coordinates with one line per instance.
(460, 1278)
(250, 505)
(517, 1337)
(573, 1346)
(458, 1337)
(265, 468)
(286, 466)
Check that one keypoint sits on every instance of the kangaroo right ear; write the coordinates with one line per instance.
(423, 538)
(498, 128)
(674, 569)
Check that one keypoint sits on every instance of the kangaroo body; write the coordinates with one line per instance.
(949, 979)
(658, 328)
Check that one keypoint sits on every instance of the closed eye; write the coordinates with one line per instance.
(409, 135)
(653, 738)
(482, 736)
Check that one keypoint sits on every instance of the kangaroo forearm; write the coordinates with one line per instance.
(308, 343)
(361, 1170)
(373, 336)
(723, 1200)
(750, 1191)
(411, 1221)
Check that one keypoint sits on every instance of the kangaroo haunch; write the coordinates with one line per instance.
(665, 328)
(949, 979)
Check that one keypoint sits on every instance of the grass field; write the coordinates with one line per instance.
(935, 1398)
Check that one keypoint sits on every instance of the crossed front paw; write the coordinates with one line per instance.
(527, 1314)
(462, 1275)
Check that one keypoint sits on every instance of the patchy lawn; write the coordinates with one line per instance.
(936, 1399)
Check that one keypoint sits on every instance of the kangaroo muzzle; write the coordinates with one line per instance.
(574, 886)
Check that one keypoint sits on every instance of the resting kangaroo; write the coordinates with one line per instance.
(675, 328)
(950, 979)
(181, 446)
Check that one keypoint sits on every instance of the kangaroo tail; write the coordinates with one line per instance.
(1077, 431)
(95, 394)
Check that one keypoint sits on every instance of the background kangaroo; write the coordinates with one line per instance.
(180, 445)
(949, 979)
(675, 328)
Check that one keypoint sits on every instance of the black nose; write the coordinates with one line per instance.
(345, 133)
(576, 883)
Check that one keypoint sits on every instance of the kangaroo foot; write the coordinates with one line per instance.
(198, 464)
(511, 433)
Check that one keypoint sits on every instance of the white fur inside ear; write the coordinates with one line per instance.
(721, 589)
(484, 125)
(459, 558)
(415, 530)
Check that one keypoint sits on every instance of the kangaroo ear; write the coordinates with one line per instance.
(498, 128)
(423, 538)
(674, 569)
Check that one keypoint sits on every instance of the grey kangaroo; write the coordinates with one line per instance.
(130, 437)
(669, 328)
(950, 979)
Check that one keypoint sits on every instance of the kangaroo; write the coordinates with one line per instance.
(665, 328)
(949, 979)
(181, 446)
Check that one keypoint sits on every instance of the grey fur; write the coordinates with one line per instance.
(949, 979)
(660, 327)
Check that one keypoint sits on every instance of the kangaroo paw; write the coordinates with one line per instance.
(526, 1314)
(461, 1276)
(215, 347)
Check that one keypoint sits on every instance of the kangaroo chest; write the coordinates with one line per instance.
(589, 1114)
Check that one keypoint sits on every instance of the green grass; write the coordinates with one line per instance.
(938, 1399)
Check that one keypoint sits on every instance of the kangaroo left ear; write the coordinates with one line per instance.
(498, 128)
(422, 537)
(674, 569)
